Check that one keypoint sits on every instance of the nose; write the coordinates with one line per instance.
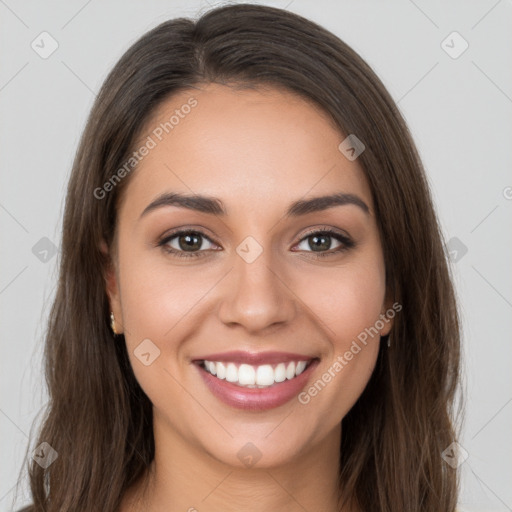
(257, 296)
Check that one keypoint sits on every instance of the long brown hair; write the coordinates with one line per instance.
(99, 420)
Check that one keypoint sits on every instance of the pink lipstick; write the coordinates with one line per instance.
(255, 381)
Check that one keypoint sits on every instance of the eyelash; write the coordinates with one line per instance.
(346, 242)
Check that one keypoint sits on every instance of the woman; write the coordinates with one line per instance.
(254, 309)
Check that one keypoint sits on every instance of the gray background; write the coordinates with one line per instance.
(459, 111)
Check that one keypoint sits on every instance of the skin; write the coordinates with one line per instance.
(258, 151)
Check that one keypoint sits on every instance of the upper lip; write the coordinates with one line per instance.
(254, 358)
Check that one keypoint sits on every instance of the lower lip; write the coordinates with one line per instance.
(257, 399)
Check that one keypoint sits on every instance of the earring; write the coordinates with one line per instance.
(389, 341)
(113, 323)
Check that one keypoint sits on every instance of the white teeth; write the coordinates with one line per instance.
(232, 373)
(280, 373)
(265, 375)
(246, 375)
(301, 365)
(221, 369)
(290, 370)
(261, 376)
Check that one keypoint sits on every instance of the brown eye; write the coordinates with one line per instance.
(321, 242)
(189, 241)
(182, 242)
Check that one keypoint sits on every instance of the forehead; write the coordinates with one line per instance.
(255, 149)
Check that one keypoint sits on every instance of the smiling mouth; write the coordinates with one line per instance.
(255, 376)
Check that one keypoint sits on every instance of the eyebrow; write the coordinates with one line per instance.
(214, 206)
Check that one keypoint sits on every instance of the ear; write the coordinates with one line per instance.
(388, 313)
(112, 286)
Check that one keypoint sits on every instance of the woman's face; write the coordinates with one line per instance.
(257, 288)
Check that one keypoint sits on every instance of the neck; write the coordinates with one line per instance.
(183, 478)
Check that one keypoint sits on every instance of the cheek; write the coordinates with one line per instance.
(155, 296)
(155, 302)
(347, 302)
(347, 299)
